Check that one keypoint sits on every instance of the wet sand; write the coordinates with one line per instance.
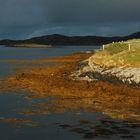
(117, 100)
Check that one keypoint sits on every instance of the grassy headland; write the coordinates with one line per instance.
(119, 54)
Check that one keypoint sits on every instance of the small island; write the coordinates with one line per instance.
(29, 45)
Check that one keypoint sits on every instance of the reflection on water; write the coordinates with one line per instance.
(32, 115)
(105, 129)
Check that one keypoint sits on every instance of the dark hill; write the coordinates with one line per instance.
(56, 39)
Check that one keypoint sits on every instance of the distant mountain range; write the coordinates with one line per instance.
(56, 39)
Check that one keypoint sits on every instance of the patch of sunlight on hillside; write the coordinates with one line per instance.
(119, 54)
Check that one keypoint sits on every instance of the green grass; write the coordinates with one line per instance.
(116, 47)
(118, 54)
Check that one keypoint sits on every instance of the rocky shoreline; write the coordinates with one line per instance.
(90, 71)
(116, 100)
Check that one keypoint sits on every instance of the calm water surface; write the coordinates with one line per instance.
(68, 125)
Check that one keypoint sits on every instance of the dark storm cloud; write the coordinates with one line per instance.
(91, 11)
(28, 17)
(21, 12)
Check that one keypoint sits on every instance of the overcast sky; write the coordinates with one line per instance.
(27, 18)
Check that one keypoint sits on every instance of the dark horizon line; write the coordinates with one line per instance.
(57, 34)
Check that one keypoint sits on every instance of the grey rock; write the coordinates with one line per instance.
(90, 71)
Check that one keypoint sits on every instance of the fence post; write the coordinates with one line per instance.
(103, 47)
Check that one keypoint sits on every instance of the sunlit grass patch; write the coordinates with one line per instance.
(120, 53)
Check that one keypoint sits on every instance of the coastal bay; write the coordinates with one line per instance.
(48, 87)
